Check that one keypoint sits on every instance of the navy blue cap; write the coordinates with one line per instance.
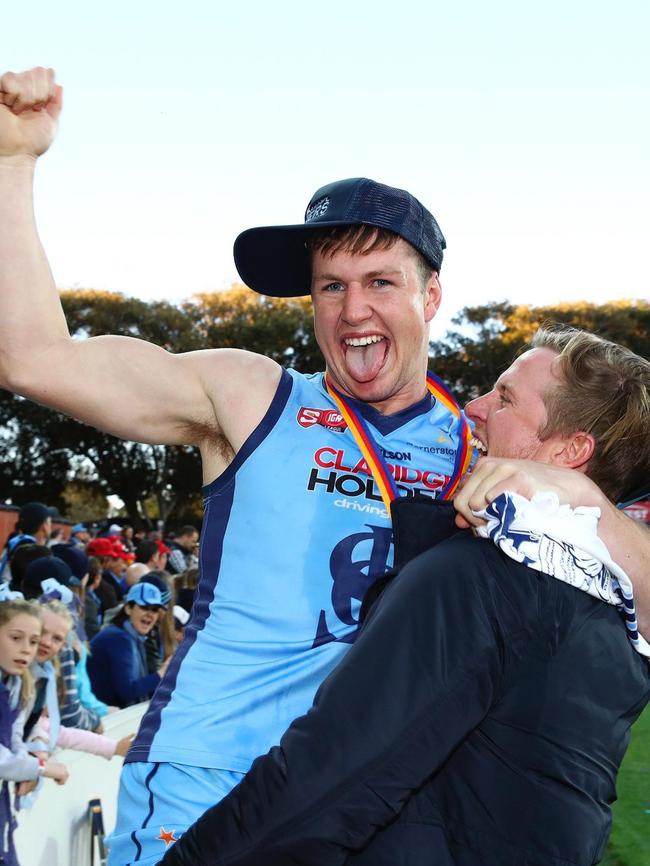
(273, 260)
(43, 569)
(74, 557)
(33, 515)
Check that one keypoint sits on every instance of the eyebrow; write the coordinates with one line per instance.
(388, 272)
(503, 386)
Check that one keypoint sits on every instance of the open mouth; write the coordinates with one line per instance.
(365, 355)
(476, 443)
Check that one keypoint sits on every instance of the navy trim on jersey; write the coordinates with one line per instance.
(134, 837)
(258, 435)
(138, 847)
(215, 522)
(387, 424)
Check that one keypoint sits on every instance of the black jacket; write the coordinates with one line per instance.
(479, 720)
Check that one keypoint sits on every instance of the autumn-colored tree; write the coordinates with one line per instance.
(471, 356)
(280, 328)
(84, 501)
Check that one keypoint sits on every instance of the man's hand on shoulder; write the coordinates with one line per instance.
(493, 475)
(30, 104)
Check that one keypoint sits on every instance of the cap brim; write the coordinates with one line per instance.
(274, 261)
(146, 603)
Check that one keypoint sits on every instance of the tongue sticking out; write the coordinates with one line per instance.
(365, 362)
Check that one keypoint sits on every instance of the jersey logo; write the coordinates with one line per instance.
(329, 418)
(356, 562)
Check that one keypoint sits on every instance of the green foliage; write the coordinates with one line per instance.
(471, 357)
(84, 501)
(280, 328)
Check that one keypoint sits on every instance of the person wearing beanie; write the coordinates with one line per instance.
(80, 565)
(52, 579)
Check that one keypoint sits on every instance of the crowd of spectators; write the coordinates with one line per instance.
(100, 617)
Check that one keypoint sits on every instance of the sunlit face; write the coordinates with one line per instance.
(372, 323)
(53, 636)
(18, 643)
(143, 619)
(508, 419)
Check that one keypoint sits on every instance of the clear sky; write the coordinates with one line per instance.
(524, 127)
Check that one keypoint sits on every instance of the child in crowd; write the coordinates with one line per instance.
(45, 732)
(20, 631)
(54, 571)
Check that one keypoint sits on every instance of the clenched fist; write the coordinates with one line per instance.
(30, 104)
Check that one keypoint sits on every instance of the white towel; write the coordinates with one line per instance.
(562, 542)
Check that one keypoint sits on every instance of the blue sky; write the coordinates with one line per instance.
(524, 128)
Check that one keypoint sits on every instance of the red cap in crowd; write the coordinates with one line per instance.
(100, 547)
(120, 551)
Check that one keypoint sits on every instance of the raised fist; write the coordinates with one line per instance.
(30, 104)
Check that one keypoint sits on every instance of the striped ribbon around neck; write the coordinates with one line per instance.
(375, 459)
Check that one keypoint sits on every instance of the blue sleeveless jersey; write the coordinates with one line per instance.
(294, 533)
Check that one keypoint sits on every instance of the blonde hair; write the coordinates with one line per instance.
(604, 391)
(8, 610)
(58, 608)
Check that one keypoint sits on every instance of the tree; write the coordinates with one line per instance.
(49, 457)
(280, 328)
(488, 337)
(83, 501)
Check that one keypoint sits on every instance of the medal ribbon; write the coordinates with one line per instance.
(375, 459)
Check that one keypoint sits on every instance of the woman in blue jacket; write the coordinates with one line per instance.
(117, 663)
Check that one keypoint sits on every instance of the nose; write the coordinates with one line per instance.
(477, 409)
(356, 308)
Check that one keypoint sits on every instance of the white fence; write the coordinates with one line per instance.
(56, 830)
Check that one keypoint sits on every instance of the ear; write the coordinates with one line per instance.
(432, 297)
(574, 451)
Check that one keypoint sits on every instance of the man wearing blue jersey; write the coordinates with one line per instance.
(296, 526)
(483, 712)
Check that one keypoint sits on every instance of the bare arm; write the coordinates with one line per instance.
(190, 398)
(627, 540)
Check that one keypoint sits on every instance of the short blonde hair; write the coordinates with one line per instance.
(604, 391)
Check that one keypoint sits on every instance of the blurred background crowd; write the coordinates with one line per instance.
(90, 618)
